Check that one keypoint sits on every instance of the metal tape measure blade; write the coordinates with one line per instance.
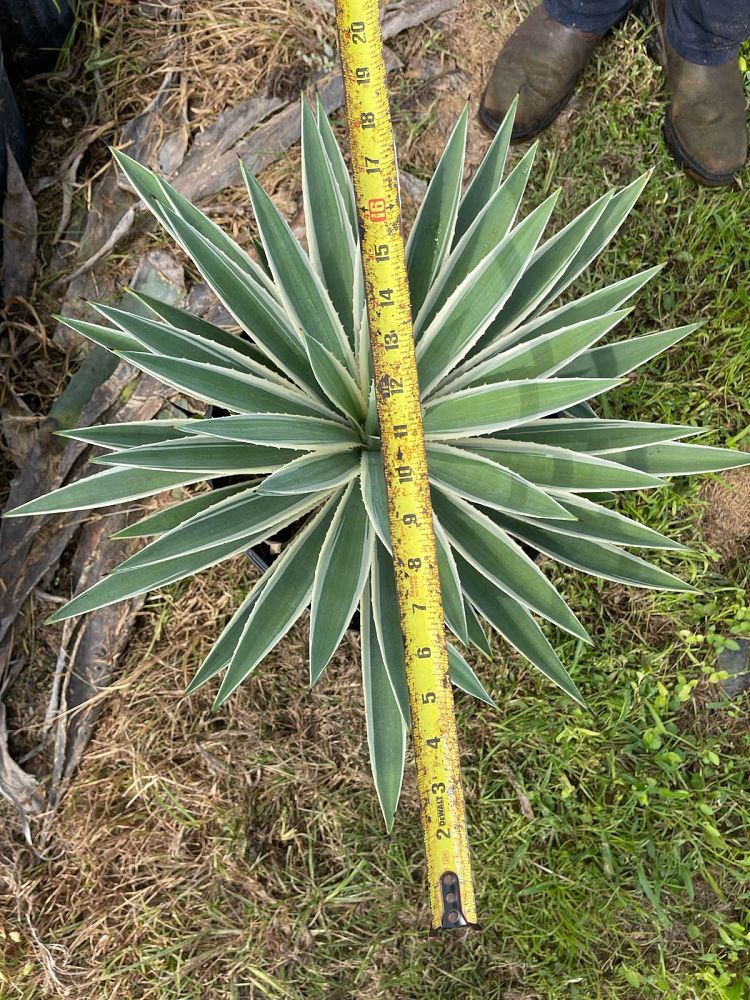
(435, 736)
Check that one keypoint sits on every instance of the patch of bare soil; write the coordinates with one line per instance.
(634, 605)
(703, 719)
(444, 73)
(726, 521)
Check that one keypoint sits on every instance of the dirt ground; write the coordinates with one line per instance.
(235, 816)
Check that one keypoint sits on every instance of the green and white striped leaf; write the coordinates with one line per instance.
(474, 304)
(487, 547)
(386, 733)
(561, 469)
(201, 454)
(130, 581)
(113, 340)
(475, 630)
(281, 429)
(617, 210)
(103, 490)
(621, 358)
(681, 459)
(597, 498)
(121, 586)
(544, 271)
(490, 408)
(166, 203)
(464, 677)
(282, 601)
(338, 165)
(432, 233)
(336, 381)
(581, 410)
(485, 482)
(361, 326)
(239, 521)
(487, 231)
(539, 358)
(517, 627)
(364, 352)
(329, 233)
(545, 280)
(260, 250)
(312, 473)
(238, 391)
(159, 338)
(487, 176)
(127, 435)
(450, 585)
(371, 420)
(598, 558)
(177, 513)
(592, 435)
(180, 319)
(251, 304)
(299, 287)
(598, 303)
(387, 621)
(346, 192)
(340, 576)
(601, 524)
(374, 496)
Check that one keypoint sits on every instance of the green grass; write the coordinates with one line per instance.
(610, 847)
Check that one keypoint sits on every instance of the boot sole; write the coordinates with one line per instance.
(699, 173)
(522, 134)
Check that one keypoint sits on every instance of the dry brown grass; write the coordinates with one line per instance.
(150, 833)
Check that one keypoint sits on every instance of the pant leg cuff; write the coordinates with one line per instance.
(560, 11)
(701, 55)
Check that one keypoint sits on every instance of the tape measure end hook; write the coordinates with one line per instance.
(453, 918)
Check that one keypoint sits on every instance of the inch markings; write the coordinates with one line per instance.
(402, 442)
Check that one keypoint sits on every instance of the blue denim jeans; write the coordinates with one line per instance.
(708, 32)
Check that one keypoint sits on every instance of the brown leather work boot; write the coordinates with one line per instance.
(541, 62)
(705, 126)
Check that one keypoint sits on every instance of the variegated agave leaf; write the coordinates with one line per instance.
(517, 455)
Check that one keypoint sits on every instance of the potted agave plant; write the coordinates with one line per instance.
(517, 457)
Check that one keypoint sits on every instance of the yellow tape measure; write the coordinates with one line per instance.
(410, 511)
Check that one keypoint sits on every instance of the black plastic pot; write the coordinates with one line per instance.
(31, 34)
(13, 132)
